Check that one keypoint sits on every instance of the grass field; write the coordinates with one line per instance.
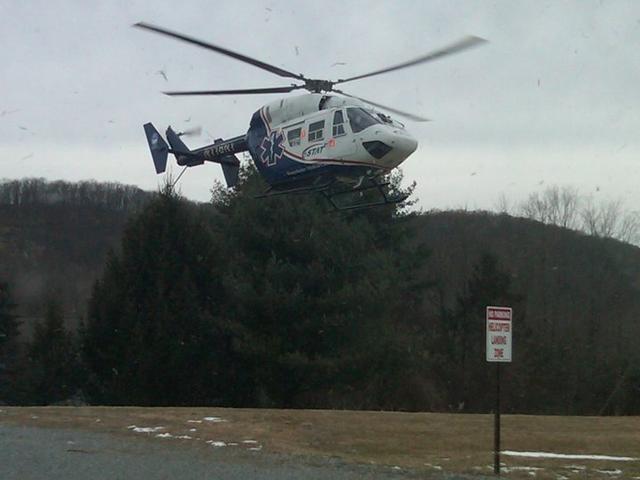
(420, 441)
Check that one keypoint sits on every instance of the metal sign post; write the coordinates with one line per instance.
(496, 426)
(499, 343)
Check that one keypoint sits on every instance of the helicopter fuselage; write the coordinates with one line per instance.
(317, 138)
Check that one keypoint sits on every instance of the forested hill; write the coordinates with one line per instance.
(560, 271)
(576, 321)
(309, 309)
(54, 237)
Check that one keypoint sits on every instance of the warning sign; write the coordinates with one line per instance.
(499, 329)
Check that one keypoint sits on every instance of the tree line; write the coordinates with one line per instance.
(38, 191)
(567, 208)
(276, 303)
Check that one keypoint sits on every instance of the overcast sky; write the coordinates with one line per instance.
(552, 99)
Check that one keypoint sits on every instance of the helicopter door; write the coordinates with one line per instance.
(341, 143)
(294, 135)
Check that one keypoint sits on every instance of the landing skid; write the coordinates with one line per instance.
(379, 187)
(331, 196)
(270, 192)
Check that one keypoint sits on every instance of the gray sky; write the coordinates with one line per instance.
(553, 99)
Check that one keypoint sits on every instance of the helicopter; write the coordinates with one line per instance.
(316, 142)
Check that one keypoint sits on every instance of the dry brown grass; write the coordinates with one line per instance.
(423, 441)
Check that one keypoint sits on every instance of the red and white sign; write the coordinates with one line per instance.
(499, 329)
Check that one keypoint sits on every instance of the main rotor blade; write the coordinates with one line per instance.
(223, 51)
(410, 116)
(456, 47)
(247, 91)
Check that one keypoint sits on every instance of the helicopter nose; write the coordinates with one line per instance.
(405, 145)
(390, 147)
(402, 145)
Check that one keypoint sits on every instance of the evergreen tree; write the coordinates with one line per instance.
(152, 337)
(315, 300)
(254, 302)
(52, 369)
(461, 337)
(8, 349)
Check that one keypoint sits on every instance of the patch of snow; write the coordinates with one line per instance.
(570, 456)
(576, 467)
(194, 421)
(98, 420)
(34, 416)
(193, 429)
(164, 435)
(184, 437)
(70, 442)
(256, 449)
(214, 419)
(249, 441)
(144, 429)
(215, 443)
(522, 469)
(395, 467)
(610, 472)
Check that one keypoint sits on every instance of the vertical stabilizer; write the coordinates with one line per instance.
(177, 145)
(157, 145)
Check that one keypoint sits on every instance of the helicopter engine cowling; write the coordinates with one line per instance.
(289, 108)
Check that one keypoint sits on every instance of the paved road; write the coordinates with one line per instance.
(30, 453)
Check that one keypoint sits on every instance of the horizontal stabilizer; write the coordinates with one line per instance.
(230, 168)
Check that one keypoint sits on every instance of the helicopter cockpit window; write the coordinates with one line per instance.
(316, 131)
(360, 119)
(338, 123)
(293, 136)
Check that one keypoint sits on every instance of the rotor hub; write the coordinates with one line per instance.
(319, 86)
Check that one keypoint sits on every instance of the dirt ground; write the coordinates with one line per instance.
(429, 442)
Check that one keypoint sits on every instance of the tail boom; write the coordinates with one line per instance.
(221, 151)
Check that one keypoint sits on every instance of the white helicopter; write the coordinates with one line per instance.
(317, 142)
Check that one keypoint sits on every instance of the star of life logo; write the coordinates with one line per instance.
(272, 149)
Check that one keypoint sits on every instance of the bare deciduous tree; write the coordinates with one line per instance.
(555, 206)
(503, 205)
(629, 228)
(565, 207)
